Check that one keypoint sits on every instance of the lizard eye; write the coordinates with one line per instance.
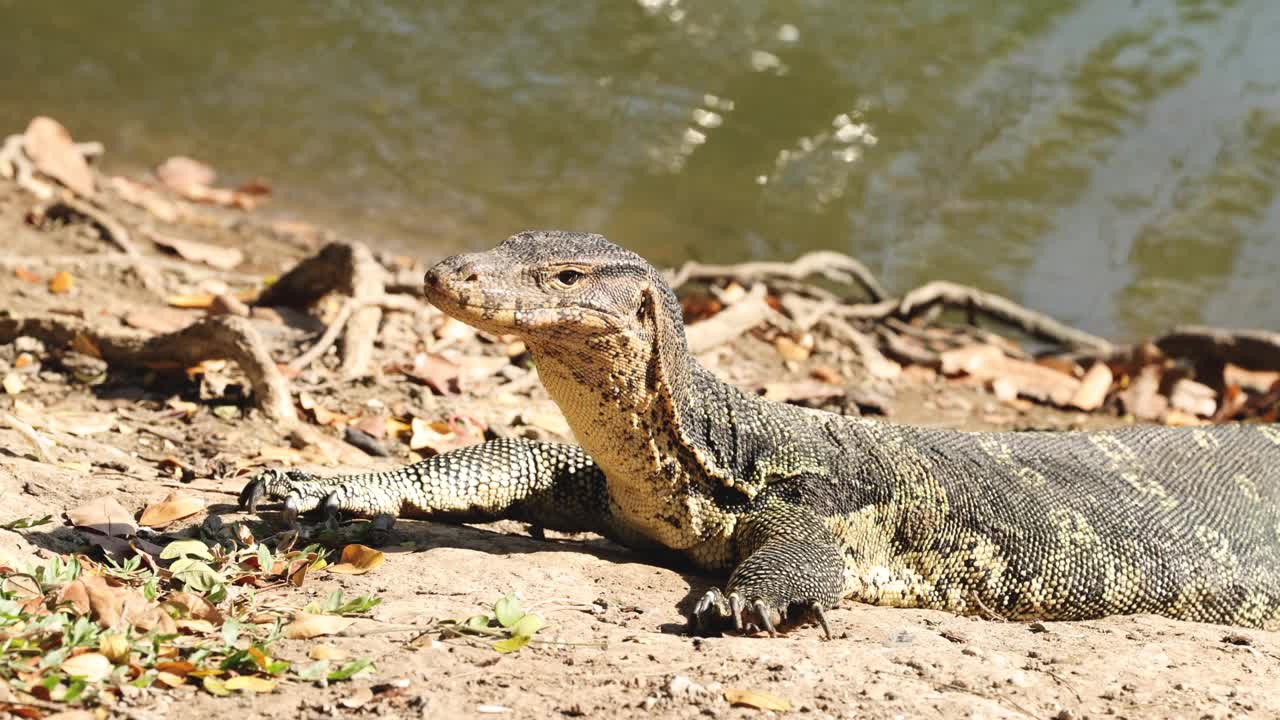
(568, 277)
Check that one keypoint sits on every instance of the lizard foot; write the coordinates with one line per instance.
(303, 492)
(715, 609)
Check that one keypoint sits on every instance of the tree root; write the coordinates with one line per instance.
(221, 337)
(831, 265)
(342, 267)
(111, 230)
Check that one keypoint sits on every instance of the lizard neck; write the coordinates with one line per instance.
(628, 404)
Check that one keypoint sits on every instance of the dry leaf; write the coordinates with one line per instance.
(197, 301)
(194, 606)
(173, 507)
(159, 320)
(435, 371)
(104, 515)
(135, 193)
(1093, 389)
(13, 383)
(27, 276)
(791, 350)
(445, 435)
(757, 699)
(55, 154)
(61, 283)
(327, 652)
(185, 175)
(223, 258)
(250, 683)
(113, 606)
(1193, 398)
(357, 699)
(286, 455)
(80, 424)
(91, 666)
(307, 625)
(357, 560)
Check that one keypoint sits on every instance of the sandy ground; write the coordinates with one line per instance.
(622, 649)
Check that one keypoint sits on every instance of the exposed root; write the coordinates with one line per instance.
(828, 264)
(728, 324)
(220, 337)
(1249, 349)
(351, 269)
(111, 230)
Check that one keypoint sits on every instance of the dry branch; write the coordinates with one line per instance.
(222, 337)
(728, 324)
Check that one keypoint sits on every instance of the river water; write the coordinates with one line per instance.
(1114, 162)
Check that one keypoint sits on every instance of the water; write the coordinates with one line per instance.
(1114, 162)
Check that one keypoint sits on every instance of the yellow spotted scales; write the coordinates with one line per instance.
(803, 508)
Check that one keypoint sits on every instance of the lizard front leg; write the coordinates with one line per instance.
(551, 485)
(790, 564)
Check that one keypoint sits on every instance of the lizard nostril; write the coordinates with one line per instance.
(472, 278)
(431, 278)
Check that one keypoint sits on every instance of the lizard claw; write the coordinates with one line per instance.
(764, 613)
(251, 494)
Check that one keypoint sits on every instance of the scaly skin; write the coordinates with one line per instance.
(803, 508)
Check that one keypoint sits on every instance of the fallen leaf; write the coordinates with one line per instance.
(159, 320)
(103, 515)
(453, 329)
(1093, 389)
(197, 301)
(327, 652)
(54, 153)
(174, 507)
(13, 383)
(492, 709)
(114, 646)
(1193, 398)
(184, 175)
(790, 350)
(27, 276)
(357, 699)
(307, 625)
(443, 436)
(194, 606)
(250, 683)
(135, 193)
(80, 424)
(113, 606)
(357, 560)
(91, 666)
(222, 258)
(375, 426)
(61, 283)
(757, 699)
(214, 686)
(434, 371)
(169, 679)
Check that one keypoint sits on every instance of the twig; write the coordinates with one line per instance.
(831, 265)
(223, 336)
(875, 362)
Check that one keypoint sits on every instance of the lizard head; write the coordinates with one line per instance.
(553, 287)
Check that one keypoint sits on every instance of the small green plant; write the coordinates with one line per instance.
(508, 622)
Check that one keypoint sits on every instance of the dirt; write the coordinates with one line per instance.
(616, 618)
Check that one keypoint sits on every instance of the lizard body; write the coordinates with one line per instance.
(803, 508)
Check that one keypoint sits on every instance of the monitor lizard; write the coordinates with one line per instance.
(802, 508)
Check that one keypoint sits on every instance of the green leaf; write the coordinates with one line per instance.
(508, 610)
(230, 632)
(26, 522)
(511, 644)
(264, 558)
(477, 622)
(197, 576)
(526, 626)
(74, 690)
(186, 548)
(275, 667)
(351, 669)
